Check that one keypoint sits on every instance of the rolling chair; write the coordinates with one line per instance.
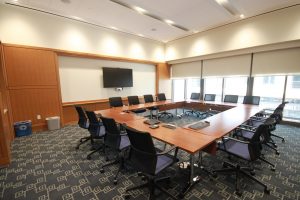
(231, 98)
(249, 151)
(194, 96)
(210, 112)
(83, 123)
(115, 140)
(134, 100)
(96, 130)
(148, 98)
(115, 102)
(162, 97)
(146, 159)
(209, 97)
(253, 100)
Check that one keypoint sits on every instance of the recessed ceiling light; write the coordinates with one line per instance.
(141, 35)
(195, 31)
(153, 29)
(169, 21)
(221, 1)
(139, 9)
(115, 28)
(242, 16)
(15, 1)
(78, 18)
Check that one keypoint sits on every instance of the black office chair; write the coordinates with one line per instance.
(194, 96)
(134, 100)
(249, 151)
(162, 97)
(116, 141)
(96, 130)
(253, 100)
(209, 97)
(83, 123)
(210, 112)
(115, 102)
(231, 98)
(148, 98)
(146, 159)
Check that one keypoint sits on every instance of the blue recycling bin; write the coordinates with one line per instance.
(23, 128)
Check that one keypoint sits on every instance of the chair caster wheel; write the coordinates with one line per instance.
(106, 159)
(89, 157)
(224, 165)
(181, 196)
(140, 174)
(143, 178)
(101, 170)
(214, 175)
(283, 141)
(273, 169)
(127, 196)
(277, 153)
(115, 182)
(267, 191)
(76, 148)
(252, 173)
(238, 193)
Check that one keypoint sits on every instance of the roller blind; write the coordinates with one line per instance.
(286, 61)
(190, 69)
(233, 65)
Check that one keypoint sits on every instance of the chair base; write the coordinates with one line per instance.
(152, 184)
(165, 114)
(282, 138)
(238, 170)
(82, 141)
(89, 156)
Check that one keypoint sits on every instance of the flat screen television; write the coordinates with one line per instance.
(117, 77)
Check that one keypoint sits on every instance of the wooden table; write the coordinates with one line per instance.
(189, 140)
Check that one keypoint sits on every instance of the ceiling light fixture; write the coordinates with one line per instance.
(115, 28)
(139, 9)
(146, 13)
(242, 16)
(169, 21)
(229, 7)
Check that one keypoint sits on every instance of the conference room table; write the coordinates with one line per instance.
(190, 140)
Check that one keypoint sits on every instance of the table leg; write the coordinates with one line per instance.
(192, 179)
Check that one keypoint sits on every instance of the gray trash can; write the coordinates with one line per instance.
(53, 123)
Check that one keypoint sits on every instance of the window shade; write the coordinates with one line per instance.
(233, 65)
(286, 61)
(191, 69)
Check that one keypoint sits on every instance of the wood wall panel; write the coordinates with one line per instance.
(28, 103)
(5, 130)
(29, 67)
(163, 76)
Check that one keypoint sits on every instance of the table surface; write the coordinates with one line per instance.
(185, 138)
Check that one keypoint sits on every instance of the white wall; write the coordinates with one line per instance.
(81, 79)
(275, 27)
(26, 27)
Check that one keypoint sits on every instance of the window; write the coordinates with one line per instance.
(192, 85)
(236, 86)
(296, 81)
(270, 92)
(292, 95)
(213, 86)
(178, 89)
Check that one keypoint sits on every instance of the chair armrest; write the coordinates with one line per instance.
(234, 139)
(248, 128)
(167, 150)
(257, 118)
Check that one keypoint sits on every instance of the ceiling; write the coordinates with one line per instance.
(185, 17)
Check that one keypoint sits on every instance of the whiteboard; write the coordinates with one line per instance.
(81, 79)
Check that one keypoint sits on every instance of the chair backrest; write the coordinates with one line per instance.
(231, 98)
(255, 143)
(195, 96)
(115, 102)
(112, 135)
(254, 100)
(82, 119)
(161, 97)
(148, 98)
(95, 124)
(133, 100)
(142, 151)
(209, 97)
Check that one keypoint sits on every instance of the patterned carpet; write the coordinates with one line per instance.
(47, 166)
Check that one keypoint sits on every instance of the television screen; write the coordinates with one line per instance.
(117, 77)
